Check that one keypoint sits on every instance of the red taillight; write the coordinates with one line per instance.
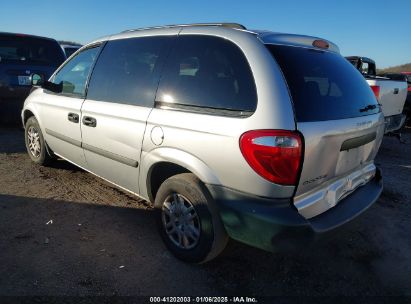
(409, 88)
(273, 154)
(376, 90)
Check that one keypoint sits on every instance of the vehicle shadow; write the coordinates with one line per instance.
(61, 247)
(11, 140)
(64, 165)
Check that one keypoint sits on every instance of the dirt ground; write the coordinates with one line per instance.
(64, 232)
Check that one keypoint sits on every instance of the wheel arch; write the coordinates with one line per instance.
(30, 112)
(163, 163)
(26, 115)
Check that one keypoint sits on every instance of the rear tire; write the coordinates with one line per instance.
(35, 143)
(188, 220)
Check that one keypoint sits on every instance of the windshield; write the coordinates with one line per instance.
(22, 49)
(323, 85)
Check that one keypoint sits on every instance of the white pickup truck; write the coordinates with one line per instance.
(391, 94)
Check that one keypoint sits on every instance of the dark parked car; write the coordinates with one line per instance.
(20, 56)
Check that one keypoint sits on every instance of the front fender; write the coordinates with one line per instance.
(30, 105)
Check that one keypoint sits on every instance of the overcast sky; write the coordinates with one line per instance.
(379, 29)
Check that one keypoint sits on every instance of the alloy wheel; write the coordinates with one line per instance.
(180, 221)
(34, 143)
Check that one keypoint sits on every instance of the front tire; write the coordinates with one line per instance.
(188, 220)
(35, 143)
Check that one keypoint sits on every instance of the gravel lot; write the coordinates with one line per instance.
(65, 232)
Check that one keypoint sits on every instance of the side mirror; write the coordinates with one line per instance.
(36, 79)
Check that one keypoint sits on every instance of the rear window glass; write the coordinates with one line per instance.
(206, 72)
(323, 85)
(30, 50)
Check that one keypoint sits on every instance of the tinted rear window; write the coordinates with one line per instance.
(30, 50)
(323, 85)
(206, 72)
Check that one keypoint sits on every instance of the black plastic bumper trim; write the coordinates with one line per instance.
(272, 224)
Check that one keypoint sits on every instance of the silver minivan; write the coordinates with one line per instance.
(263, 137)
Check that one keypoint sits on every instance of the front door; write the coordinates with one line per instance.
(60, 112)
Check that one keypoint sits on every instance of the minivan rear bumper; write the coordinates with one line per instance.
(275, 224)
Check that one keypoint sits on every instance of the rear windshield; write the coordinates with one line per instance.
(30, 50)
(323, 85)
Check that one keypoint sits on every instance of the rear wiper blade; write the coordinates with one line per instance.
(369, 107)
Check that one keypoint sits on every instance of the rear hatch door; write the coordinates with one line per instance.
(340, 120)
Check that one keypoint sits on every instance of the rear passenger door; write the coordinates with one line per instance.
(120, 97)
(206, 90)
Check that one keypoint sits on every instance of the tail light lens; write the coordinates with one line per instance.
(376, 90)
(409, 88)
(273, 154)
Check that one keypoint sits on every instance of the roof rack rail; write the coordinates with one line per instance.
(223, 24)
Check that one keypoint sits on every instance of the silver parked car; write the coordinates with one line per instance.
(263, 137)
